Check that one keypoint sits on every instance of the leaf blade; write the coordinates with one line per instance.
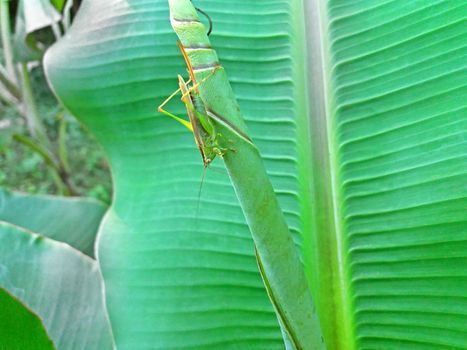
(57, 283)
(392, 126)
(71, 220)
(164, 162)
(19, 327)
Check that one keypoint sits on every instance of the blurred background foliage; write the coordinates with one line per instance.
(22, 167)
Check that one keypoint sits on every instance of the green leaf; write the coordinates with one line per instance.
(19, 327)
(374, 180)
(32, 15)
(59, 284)
(59, 4)
(174, 278)
(389, 129)
(71, 220)
(277, 257)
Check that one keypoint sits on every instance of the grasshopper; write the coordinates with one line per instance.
(200, 124)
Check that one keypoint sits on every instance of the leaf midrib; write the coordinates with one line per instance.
(334, 300)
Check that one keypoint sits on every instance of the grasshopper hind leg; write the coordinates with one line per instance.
(182, 121)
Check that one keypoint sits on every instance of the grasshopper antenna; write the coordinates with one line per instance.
(199, 191)
(207, 16)
(203, 176)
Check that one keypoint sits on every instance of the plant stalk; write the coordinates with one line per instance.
(61, 143)
(5, 28)
(35, 125)
(60, 175)
(9, 85)
(8, 99)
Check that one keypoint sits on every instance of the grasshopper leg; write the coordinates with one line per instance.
(161, 109)
(195, 86)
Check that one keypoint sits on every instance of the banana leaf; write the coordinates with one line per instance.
(178, 263)
(59, 284)
(32, 15)
(357, 110)
(19, 327)
(388, 125)
(71, 220)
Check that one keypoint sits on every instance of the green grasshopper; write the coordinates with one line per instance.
(200, 124)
